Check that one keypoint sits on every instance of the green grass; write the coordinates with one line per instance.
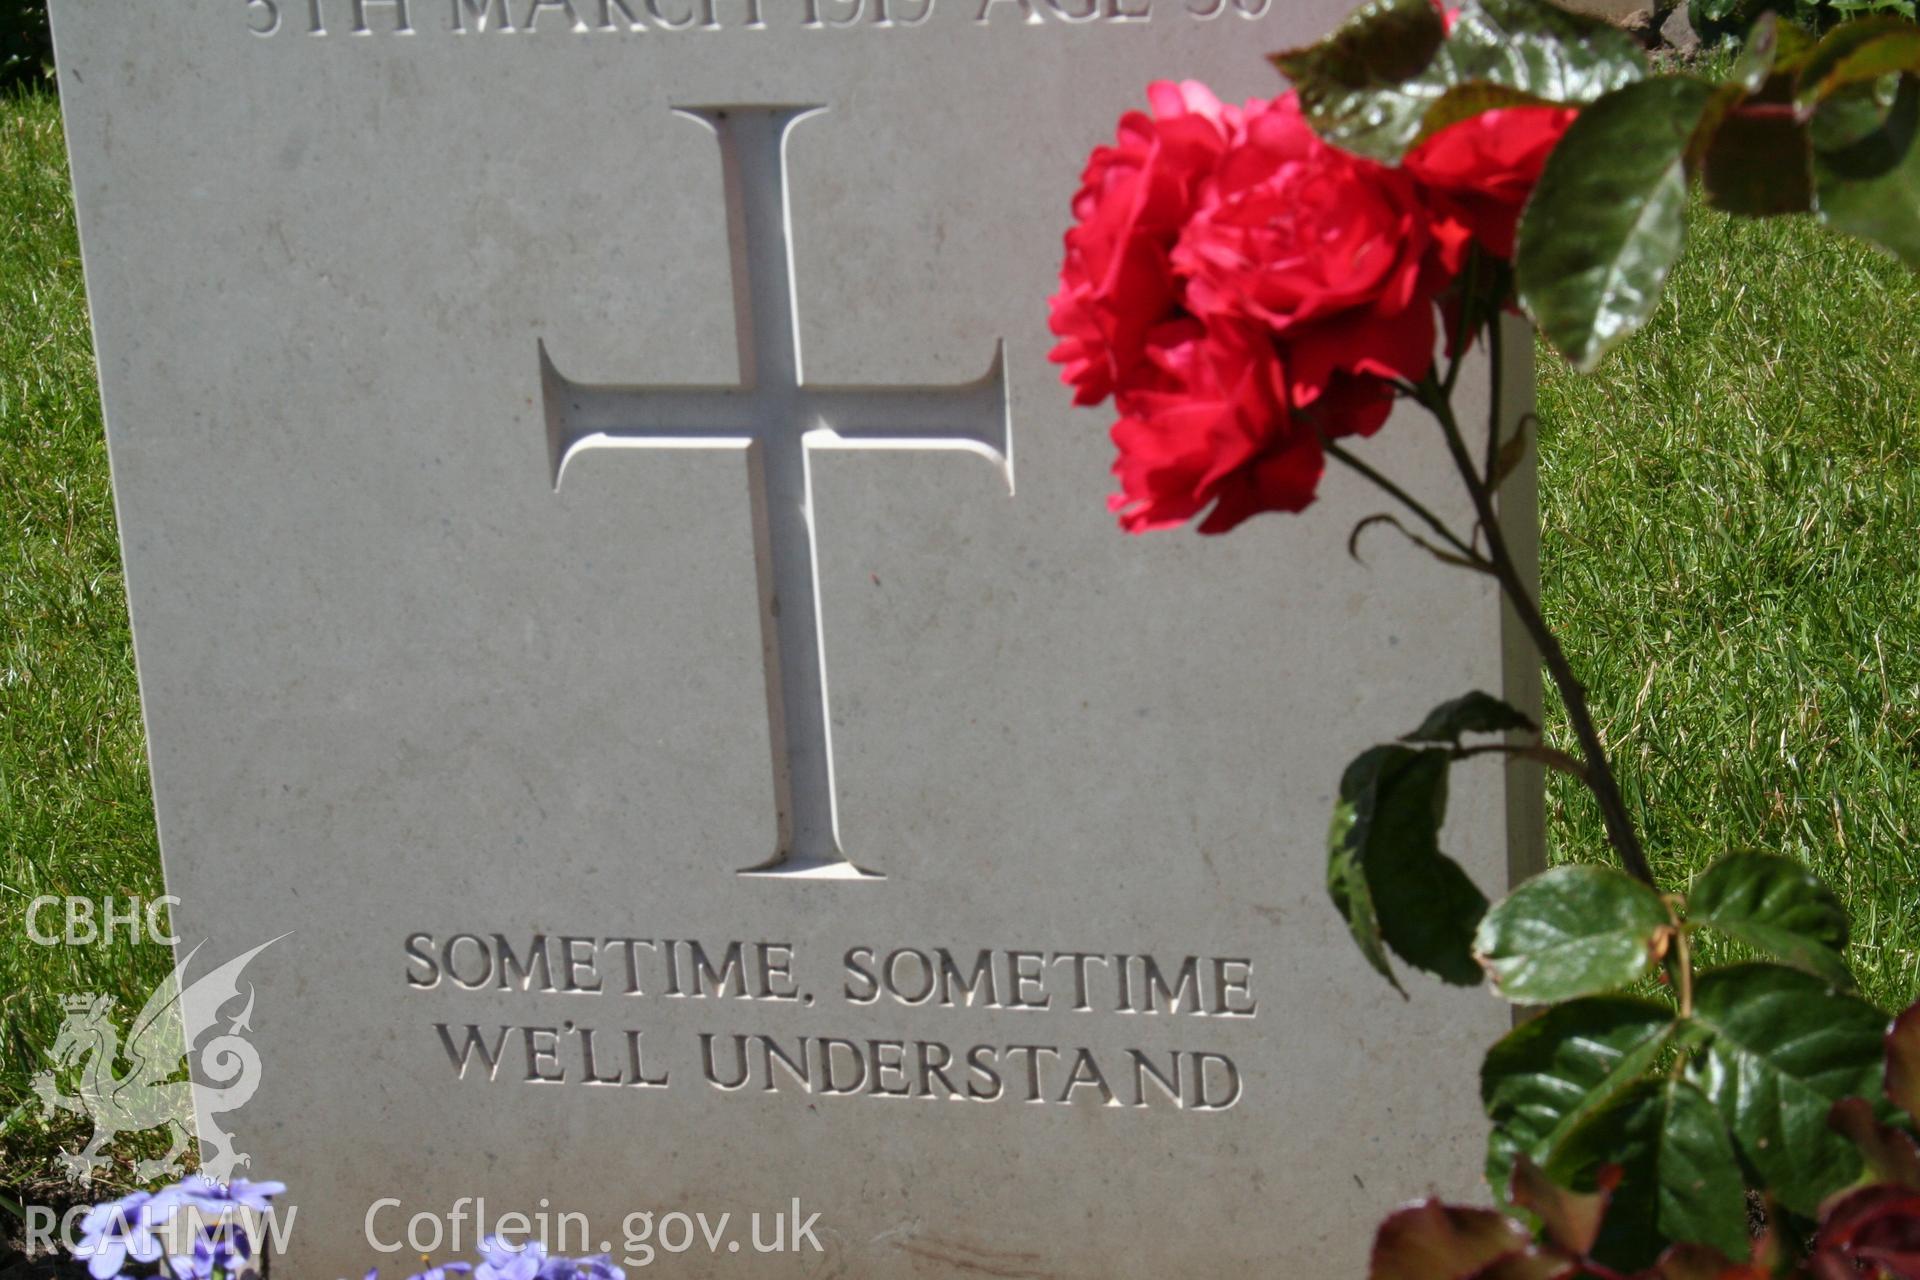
(75, 810)
(1730, 553)
(1731, 510)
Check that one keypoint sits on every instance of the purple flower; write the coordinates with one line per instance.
(442, 1271)
(202, 1258)
(121, 1230)
(596, 1267)
(504, 1261)
(192, 1223)
(253, 1195)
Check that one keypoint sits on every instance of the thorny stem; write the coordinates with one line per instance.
(1682, 961)
(1599, 772)
(1496, 360)
(1465, 325)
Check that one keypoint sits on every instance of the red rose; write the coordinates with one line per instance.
(1134, 198)
(1336, 254)
(1479, 173)
(1211, 431)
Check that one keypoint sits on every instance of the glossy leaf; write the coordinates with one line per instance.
(1465, 101)
(1778, 907)
(1474, 712)
(1782, 1048)
(1679, 1178)
(1540, 49)
(1608, 217)
(1773, 47)
(1386, 873)
(1353, 899)
(1903, 1062)
(1572, 931)
(1890, 1154)
(1389, 75)
(1855, 53)
(1871, 187)
(1357, 87)
(1547, 1074)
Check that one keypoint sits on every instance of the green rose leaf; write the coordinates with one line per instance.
(1855, 53)
(1356, 85)
(1871, 187)
(1474, 712)
(1783, 1047)
(1391, 74)
(1572, 931)
(1550, 1072)
(1777, 907)
(1679, 1178)
(1465, 101)
(1539, 49)
(1903, 1062)
(1608, 217)
(1347, 886)
(1386, 873)
(1774, 47)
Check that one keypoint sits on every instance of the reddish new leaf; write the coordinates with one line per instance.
(1874, 1231)
(1434, 1241)
(1760, 162)
(1534, 1264)
(1903, 1062)
(1702, 1262)
(1571, 1218)
(1891, 1154)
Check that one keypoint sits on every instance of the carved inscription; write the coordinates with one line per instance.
(967, 986)
(630, 17)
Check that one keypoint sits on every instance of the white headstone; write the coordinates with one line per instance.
(490, 546)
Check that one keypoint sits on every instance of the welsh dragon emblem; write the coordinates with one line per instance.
(149, 1094)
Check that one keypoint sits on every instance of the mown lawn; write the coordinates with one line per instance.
(1730, 512)
(1730, 519)
(75, 813)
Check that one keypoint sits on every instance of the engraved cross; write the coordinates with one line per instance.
(778, 419)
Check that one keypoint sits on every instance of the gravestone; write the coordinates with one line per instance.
(518, 410)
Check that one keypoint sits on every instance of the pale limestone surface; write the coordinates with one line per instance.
(398, 685)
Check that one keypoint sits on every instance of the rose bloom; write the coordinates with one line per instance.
(1478, 173)
(1134, 198)
(1211, 433)
(1337, 255)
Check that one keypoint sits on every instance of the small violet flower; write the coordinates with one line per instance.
(141, 1227)
(120, 1230)
(501, 1260)
(442, 1271)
